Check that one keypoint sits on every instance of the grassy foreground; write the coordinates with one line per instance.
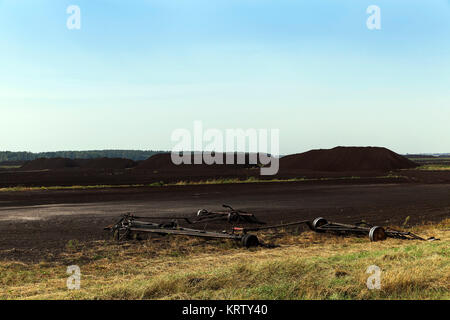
(305, 266)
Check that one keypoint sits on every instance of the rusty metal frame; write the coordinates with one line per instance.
(130, 225)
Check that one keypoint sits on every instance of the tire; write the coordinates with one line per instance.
(377, 234)
(249, 240)
(318, 222)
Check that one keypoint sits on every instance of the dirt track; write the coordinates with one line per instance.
(33, 224)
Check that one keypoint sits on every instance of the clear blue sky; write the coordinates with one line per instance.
(139, 69)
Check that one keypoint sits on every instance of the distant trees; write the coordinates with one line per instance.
(135, 155)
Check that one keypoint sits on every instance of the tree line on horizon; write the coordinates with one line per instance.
(135, 155)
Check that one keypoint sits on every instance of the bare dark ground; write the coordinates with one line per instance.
(77, 176)
(38, 225)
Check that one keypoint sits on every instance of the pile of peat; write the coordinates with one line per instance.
(346, 159)
(65, 163)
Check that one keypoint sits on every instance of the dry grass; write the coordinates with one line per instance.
(257, 180)
(305, 266)
(188, 182)
(8, 167)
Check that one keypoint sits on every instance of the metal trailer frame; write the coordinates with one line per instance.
(130, 225)
(232, 216)
(375, 233)
(321, 225)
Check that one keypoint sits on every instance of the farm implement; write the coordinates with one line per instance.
(375, 233)
(131, 227)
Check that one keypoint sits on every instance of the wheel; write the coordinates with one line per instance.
(318, 222)
(202, 212)
(377, 234)
(249, 240)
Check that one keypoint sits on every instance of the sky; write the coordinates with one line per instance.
(137, 70)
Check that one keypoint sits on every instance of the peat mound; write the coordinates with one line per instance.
(157, 161)
(12, 163)
(163, 161)
(66, 163)
(346, 159)
(105, 163)
(49, 163)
